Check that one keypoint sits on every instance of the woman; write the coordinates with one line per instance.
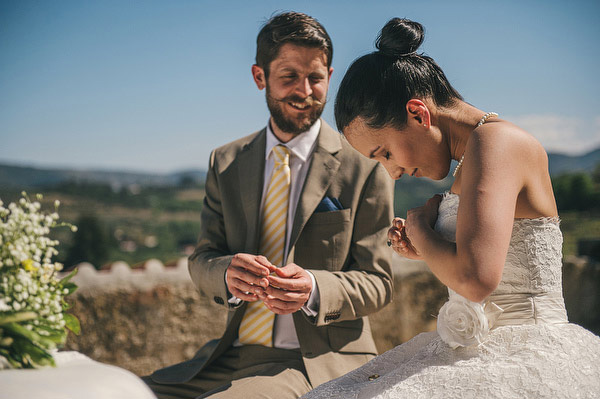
(493, 239)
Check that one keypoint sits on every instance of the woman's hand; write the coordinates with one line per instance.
(398, 240)
(417, 220)
(425, 215)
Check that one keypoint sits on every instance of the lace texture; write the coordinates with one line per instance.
(528, 358)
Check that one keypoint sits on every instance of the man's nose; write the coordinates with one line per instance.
(304, 88)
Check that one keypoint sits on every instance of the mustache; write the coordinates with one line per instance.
(310, 100)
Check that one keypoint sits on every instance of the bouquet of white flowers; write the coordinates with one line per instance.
(33, 317)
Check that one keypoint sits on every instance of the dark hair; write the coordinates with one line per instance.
(290, 27)
(378, 85)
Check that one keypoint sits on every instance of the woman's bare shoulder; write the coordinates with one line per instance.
(509, 141)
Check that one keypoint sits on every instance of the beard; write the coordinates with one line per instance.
(288, 123)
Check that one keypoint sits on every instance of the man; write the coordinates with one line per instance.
(293, 236)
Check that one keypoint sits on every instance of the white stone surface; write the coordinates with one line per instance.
(75, 377)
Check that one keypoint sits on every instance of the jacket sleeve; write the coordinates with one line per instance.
(365, 286)
(208, 263)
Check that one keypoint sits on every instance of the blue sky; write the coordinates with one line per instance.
(155, 85)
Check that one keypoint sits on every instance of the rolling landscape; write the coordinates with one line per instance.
(135, 216)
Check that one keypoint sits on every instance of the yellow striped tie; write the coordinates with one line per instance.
(257, 324)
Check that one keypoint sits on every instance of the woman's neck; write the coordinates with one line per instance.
(456, 124)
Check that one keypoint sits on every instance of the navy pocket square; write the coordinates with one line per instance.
(328, 204)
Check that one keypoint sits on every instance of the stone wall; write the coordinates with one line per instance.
(581, 287)
(151, 317)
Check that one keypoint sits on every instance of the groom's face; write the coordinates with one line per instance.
(296, 85)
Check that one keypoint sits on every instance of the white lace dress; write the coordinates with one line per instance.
(530, 350)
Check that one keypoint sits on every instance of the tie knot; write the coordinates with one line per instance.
(282, 155)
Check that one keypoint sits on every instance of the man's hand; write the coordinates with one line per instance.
(288, 290)
(247, 276)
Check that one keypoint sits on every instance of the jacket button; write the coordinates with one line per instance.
(219, 300)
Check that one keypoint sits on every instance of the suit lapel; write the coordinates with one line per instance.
(251, 165)
(322, 169)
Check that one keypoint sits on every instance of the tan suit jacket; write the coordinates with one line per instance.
(344, 249)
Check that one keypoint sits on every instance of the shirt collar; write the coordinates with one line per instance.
(301, 145)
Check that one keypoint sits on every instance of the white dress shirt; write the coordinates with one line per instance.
(301, 149)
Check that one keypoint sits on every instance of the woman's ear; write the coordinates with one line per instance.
(258, 74)
(417, 110)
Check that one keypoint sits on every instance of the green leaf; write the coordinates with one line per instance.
(16, 317)
(18, 331)
(72, 287)
(68, 277)
(58, 336)
(72, 323)
(32, 355)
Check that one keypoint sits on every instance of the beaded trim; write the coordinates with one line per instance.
(483, 119)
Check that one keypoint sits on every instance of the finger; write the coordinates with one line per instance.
(288, 271)
(247, 277)
(394, 237)
(291, 284)
(274, 303)
(287, 296)
(245, 287)
(392, 230)
(251, 264)
(242, 295)
(262, 260)
(410, 249)
(398, 223)
(406, 252)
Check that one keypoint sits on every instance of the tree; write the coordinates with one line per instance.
(582, 191)
(90, 243)
(575, 191)
(596, 176)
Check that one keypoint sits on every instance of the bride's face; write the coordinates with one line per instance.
(413, 150)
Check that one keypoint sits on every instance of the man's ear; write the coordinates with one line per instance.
(259, 77)
(417, 110)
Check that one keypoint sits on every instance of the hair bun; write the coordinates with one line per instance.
(400, 37)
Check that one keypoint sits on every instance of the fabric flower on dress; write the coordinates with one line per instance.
(462, 322)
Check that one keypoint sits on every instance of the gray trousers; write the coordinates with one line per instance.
(250, 371)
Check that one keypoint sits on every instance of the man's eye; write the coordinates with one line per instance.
(387, 155)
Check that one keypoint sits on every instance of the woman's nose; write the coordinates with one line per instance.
(394, 172)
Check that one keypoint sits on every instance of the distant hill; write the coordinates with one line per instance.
(561, 163)
(23, 177)
(29, 177)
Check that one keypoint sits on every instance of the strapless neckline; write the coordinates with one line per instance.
(542, 219)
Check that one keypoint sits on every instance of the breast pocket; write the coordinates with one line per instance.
(325, 240)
